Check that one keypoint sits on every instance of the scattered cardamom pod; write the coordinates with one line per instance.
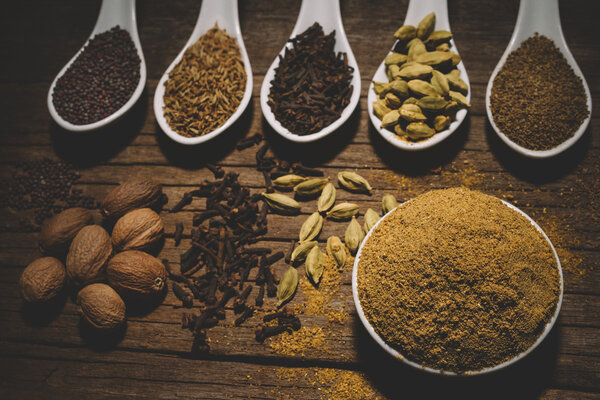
(438, 37)
(310, 187)
(395, 58)
(456, 83)
(426, 26)
(381, 88)
(417, 47)
(287, 286)
(371, 218)
(416, 71)
(343, 211)
(393, 72)
(327, 198)
(388, 203)
(434, 58)
(440, 83)
(354, 182)
(281, 203)
(421, 88)
(419, 130)
(315, 264)
(406, 33)
(311, 227)
(399, 88)
(299, 254)
(288, 181)
(354, 236)
(337, 251)
(392, 101)
(432, 103)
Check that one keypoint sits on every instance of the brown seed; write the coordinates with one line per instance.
(88, 254)
(101, 306)
(137, 230)
(130, 195)
(42, 280)
(136, 274)
(57, 232)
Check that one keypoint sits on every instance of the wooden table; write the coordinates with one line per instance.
(51, 359)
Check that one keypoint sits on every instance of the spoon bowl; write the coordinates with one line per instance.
(328, 14)
(394, 353)
(417, 10)
(225, 14)
(541, 16)
(112, 13)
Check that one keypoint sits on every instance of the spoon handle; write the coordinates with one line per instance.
(540, 16)
(418, 9)
(326, 12)
(115, 12)
(222, 12)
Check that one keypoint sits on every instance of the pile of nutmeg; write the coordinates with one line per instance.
(106, 262)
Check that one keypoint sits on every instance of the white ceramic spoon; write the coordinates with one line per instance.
(417, 9)
(328, 14)
(112, 13)
(225, 14)
(539, 16)
(394, 353)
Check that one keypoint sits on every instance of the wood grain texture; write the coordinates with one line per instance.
(55, 357)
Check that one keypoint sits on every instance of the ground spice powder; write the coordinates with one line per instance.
(207, 86)
(537, 100)
(457, 281)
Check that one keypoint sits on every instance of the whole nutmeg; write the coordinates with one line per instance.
(134, 273)
(130, 195)
(137, 230)
(101, 306)
(42, 280)
(88, 254)
(57, 232)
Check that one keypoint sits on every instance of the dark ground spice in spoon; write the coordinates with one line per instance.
(312, 84)
(457, 281)
(537, 100)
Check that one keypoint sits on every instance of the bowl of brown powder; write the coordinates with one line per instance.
(456, 282)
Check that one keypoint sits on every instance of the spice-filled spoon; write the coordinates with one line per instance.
(224, 13)
(538, 16)
(112, 13)
(417, 11)
(328, 14)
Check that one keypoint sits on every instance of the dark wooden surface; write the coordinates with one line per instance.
(50, 359)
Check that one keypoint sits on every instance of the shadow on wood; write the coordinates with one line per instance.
(195, 157)
(87, 149)
(43, 313)
(525, 379)
(543, 170)
(101, 339)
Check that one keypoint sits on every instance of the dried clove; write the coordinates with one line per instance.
(186, 299)
(247, 313)
(178, 233)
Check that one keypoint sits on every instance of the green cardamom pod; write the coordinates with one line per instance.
(421, 88)
(456, 83)
(371, 218)
(287, 286)
(288, 181)
(410, 100)
(381, 88)
(310, 187)
(443, 47)
(337, 251)
(315, 264)
(405, 33)
(432, 103)
(433, 58)
(354, 236)
(441, 122)
(440, 83)
(393, 72)
(390, 119)
(417, 47)
(416, 71)
(455, 59)
(311, 227)
(399, 130)
(459, 98)
(354, 182)
(395, 58)
(299, 254)
(343, 211)
(399, 88)
(452, 108)
(411, 113)
(388, 203)
(281, 203)
(380, 108)
(438, 37)
(426, 26)
(392, 101)
(327, 198)
(419, 130)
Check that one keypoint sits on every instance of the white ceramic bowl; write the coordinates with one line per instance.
(390, 350)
